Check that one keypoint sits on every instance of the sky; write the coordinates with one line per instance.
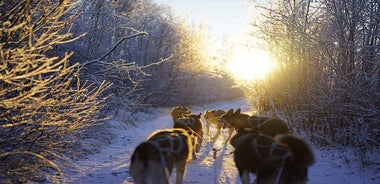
(229, 27)
(221, 16)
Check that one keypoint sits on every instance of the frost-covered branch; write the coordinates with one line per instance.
(43, 102)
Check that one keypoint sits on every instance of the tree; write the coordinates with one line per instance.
(44, 104)
(327, 82)
(152, 65)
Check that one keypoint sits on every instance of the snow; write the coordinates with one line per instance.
(111, 165)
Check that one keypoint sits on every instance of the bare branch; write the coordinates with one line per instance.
(113, 48)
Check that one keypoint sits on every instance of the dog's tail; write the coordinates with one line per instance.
(301, 153)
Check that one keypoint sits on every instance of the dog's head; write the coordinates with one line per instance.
(180, 111)
(228, 118)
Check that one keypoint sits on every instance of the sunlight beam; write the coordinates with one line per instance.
(248, 66)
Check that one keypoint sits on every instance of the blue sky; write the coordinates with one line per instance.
(222, 16)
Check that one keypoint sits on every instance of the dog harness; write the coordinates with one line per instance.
(184, 123)
(271, 147)
(172, 137)
(193, 131)
(281, 168)
(259, 124)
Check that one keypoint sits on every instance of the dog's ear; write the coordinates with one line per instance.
(237, 111)
(199, 115)
(229, 112)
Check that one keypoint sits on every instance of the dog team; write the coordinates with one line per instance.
(262, 146)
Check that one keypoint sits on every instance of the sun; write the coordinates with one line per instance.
(254, 65)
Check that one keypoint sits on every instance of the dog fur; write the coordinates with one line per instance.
(179, 112)
(153, 160)
(212, 117)
(264, 125)
(284, 159)
(193, 123)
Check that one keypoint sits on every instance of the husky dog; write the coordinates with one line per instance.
(284, 159)
(193, 123)
(180, 112)
(212, 117)
(186, 123)
(264, 125)
(153, 160)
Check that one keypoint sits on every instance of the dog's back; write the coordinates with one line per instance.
(188, 124)
(268, 126)
(265, 125)
(294, 167)
(213, 115)
(251, 149)
(192, 122)
(301, 153)
(266, 157)
(154, 159)
(174, 142)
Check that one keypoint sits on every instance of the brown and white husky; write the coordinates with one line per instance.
(281, 160)
(212, 117)
(153, 160)
(264, 125)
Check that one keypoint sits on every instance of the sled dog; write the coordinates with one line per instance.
(212, 117)
(264, 125)
(180, 112)
(193, 123)
(153, 160)
(284, 159)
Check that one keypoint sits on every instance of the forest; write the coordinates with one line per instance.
(67, 67)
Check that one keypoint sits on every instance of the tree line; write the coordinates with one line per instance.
(328, 70)
(66, 66)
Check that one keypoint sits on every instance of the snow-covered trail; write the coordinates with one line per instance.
(111, 165)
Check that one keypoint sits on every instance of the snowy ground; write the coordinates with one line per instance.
(111, 165)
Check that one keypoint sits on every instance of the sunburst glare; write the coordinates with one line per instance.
(246, 65)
